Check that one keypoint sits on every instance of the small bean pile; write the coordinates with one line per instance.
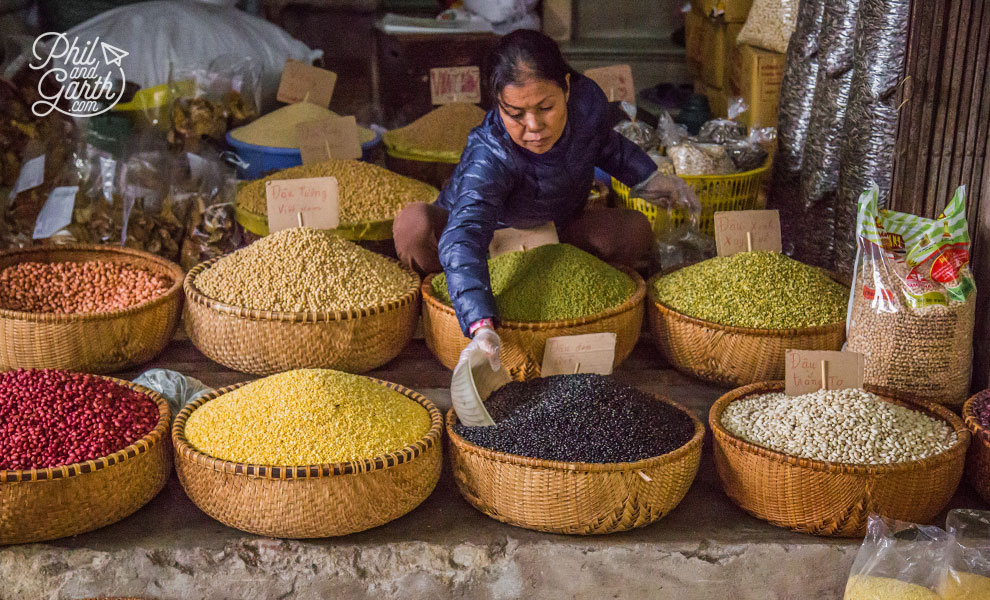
(844, 426)
(306, 417)
(367, 192)
(439, 134)
(550, 283)
(277, 129)
(960, 585)
(580, 418)
(50, 418)
(869, 587)
(78, 287)
(305, 269)
(981, 409)
(763, 290)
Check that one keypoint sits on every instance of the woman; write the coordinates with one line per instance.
(529, 162)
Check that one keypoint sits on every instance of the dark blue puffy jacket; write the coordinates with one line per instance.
(498, 184)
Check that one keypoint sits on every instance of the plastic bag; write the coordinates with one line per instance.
(669, 133)
(897, 561)
(770, 24)
(635, 131)
(967, 572)
(720, 131)
(178, 389)
(684, 245)
(208, 102)
(691, 158)
(500, 11)
(211, 229)
(913, 300)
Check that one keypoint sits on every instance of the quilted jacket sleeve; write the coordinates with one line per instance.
(623, 159)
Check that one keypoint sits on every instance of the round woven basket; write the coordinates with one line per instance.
(978, 460)
(573, 497)
(45, 504)
(266, 342)
(310, 501)
(834, 499)
(523, 342)
(90, 342)
(731, 356)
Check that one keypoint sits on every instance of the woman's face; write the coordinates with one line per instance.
(534, 113)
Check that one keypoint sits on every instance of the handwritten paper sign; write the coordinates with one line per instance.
(306, 83)
(312, 202)
(512, 240)
(747, 231)
(616, 81)
(56, 214)
(31, 176)
(455, 84)
(588, 353)
(336, 137)
(803, 371)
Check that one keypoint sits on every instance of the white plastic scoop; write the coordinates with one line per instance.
(473, 381)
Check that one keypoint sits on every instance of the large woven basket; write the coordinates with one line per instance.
(573, 498)
(834, 499)
(731, 356)
(523, 342)
(978, 460)
(314, 500)
(45, 504)
(266, 342)
(93, 342)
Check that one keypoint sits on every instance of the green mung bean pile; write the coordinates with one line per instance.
(306, 417)
(550, 283)
(761, 290)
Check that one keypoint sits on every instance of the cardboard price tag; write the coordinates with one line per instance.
(747, 231)
(588, 353)
(806, 369)
(616, 81)
(336, 137)
(512, 240)
(56, 214)
(455, 84)
(312, 202)
(306, 83)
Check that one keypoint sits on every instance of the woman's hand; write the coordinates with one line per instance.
(486, 340)
(667, 191)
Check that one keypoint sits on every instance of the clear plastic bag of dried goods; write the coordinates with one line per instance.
(913, 300)
(91, 220)
(670, 133)
(693, 158)
(635, 131)
(720, 131)
(211, 229)
(967, 564)
(770, 24)
(751, 152)
(897, 561)
(178, 389)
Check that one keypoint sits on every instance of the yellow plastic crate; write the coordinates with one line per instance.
(737, 191)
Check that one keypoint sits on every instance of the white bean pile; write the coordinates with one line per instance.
(845, 426)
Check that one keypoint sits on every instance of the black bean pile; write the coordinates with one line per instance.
(580, 418)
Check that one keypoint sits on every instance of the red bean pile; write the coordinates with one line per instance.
(50, 418)
(981, 409)
(77, 287)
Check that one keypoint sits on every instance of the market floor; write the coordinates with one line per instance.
(706, 548)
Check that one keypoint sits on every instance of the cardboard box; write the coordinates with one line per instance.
(756, 77)
(718, 101)
(694, 22)
(718, 40)
(730, 11)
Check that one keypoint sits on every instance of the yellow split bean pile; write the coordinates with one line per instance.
(277, 129)
(440, 134)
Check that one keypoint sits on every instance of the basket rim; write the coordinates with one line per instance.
(652, 462)
(173, 270)
(239, 210)
(193, 294)
(635, 298)
(723, 435)
(408, 453)
(758, 171)
(141, 446)
(670, 312)
(969, 417)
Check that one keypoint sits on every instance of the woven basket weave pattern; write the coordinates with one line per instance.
(831, 499)
(978, 459)
(94, 342)
(46, 504)
(315, 500)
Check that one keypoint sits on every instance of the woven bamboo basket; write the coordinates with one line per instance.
(266, 342)
(45, 504)
(310, 501)
(731, 356)
(834, 499)
(92, 342)
(978, 460)
(523, 342)
(573, 498)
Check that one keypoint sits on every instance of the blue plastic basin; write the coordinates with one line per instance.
(258, 160)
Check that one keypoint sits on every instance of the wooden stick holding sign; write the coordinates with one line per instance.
(336, 137)
(313, 202)
(306, 83)
(747, 230)
(808, 371)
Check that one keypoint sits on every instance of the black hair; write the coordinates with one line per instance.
(525, 55)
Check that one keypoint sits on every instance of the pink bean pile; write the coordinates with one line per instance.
(77, 287)
(50, 418)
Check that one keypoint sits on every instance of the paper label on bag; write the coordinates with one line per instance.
(455, 84)
(311, 202)
(803, 370)
(329, 138)
(31, 176)
(513, 240)
(732, 227)
(616, 81)
(306, 83)
(588, 353)
(56, 214)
